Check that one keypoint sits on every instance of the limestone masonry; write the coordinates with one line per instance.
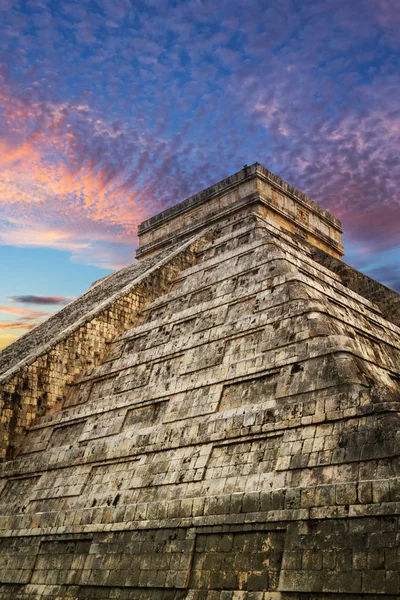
(217, 421)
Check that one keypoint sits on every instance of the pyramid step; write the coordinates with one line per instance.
(238, 438)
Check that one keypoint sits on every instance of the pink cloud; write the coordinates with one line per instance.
(17, 325)
(25, 313)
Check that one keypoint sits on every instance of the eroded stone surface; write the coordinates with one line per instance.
(240, 441)
(253, 186)
(36, 368)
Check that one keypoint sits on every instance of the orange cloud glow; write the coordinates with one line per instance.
(60, 185)
(17, 326)
(25, 313)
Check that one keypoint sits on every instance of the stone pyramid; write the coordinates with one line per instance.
(217, 421)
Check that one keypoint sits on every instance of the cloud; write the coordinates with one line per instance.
(28, 318)
(110, 112)
(344, 158)
(32, 299)
(57, 204)
(25, 313)
(17, 325)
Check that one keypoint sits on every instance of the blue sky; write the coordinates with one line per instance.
(111, 111)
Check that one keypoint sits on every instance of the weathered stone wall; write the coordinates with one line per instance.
(236, 433)
(240, 442)
(40, 386)
(387, 300)
(37, 384)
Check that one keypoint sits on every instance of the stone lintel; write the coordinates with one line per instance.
(253, 189)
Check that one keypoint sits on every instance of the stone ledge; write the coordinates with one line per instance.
(231, 181)
(321, 502)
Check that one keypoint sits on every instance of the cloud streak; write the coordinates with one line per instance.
(26, 319)
(25, 313)
(32, 299)
(16, 326)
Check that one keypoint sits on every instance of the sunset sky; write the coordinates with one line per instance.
(111, 110)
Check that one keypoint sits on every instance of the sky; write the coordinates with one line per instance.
(112, 110)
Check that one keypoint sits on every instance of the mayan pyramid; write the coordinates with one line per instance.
(217, 421)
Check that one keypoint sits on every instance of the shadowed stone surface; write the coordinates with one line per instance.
(239, 440)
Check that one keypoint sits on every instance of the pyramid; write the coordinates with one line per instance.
(217, 421)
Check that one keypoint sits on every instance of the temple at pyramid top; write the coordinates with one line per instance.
(253, 189)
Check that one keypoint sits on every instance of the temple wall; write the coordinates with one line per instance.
(387, 299)
(40, 383)
(255, 188)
